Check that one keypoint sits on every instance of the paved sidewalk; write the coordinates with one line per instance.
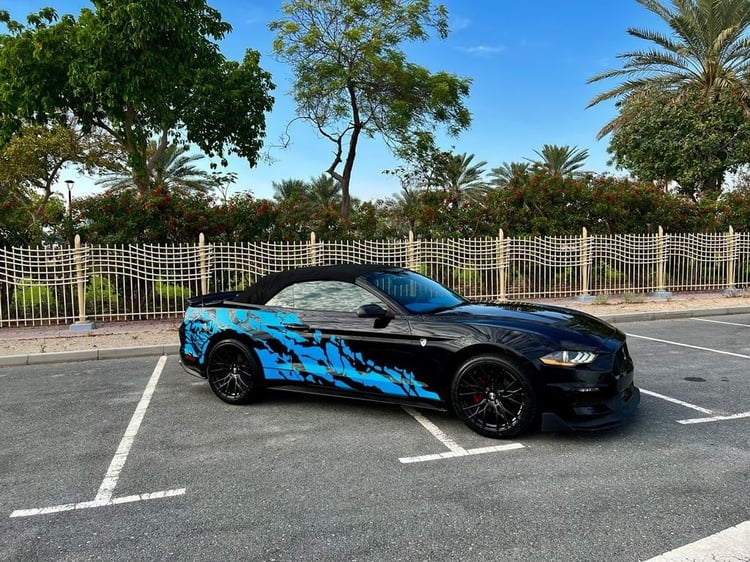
(52, 344)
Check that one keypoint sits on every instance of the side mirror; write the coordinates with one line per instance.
(372, 310)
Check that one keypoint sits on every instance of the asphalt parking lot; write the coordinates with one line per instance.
(134, 459)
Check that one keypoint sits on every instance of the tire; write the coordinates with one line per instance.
(233, 372)
(493, 397)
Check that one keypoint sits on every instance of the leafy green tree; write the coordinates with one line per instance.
(137, 71)
(173, 170)
(352, 77)
(156, 217)
(16, 228)
(247, 219)
(563, 161)
(736, 210)
(424, 168)
(623, 206)
(372, 220)
(707, 51)
(438, 218)
(31, 161)
(690, 141)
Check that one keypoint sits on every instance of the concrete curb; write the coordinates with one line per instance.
(673, 314)
(173, 349)
(88, 355)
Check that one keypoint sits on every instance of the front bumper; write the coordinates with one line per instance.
(608, 413)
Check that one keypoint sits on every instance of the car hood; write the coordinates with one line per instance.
(544, 319)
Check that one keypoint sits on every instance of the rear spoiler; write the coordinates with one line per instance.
(212, 299)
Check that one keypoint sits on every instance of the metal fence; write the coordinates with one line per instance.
(58, 285)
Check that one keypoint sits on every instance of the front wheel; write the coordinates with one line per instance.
(233, 372)
(493, 397)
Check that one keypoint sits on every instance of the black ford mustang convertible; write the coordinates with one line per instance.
(389, 334)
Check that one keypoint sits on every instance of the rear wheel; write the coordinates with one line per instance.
(493, 396)
(233, 372)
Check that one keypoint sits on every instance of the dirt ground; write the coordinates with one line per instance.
(47, 339)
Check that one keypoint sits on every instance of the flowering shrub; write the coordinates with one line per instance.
(535, 204)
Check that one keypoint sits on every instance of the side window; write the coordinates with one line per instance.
(337, 296)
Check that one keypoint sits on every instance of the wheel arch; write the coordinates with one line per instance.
(240, 337)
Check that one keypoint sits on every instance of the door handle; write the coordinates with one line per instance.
(297, 327)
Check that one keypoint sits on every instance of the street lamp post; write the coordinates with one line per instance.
(69, 184)
(82, 324)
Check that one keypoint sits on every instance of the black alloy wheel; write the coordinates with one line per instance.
(493, 397)
(233, 372)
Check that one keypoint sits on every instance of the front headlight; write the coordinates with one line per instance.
(568, 358)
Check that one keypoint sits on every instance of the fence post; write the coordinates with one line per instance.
(410, 251)
(313, 251)
(730, 289)
(584, 296)
(501, 265)
(81, 325)
(204, 263)
(661, 267)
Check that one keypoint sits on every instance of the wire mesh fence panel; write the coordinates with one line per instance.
(623, 263)
(386, 252)
(549, 267)
(697, 262)
(141, 282)
(38, 285)
(469, 267)
(235, 266)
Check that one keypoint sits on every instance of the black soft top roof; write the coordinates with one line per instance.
(266, 287)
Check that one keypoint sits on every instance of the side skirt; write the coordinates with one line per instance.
(363, 397)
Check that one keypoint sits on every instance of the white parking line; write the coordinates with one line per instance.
(715, 418)
(721, 322)
(107, 488)
(729, 544)
(113, 473)
(676, 401)
(741, 356)
(455, 450)
(436, 432)
(686, 404)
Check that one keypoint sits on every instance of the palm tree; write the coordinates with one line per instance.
(564, 161)
(462, 178)
(506, 173)
(287, 189)
(407, 205)
(173, 171)
(709, 51)
(324, 190)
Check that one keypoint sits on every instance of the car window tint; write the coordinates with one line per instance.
(416, 293)
(337, 296)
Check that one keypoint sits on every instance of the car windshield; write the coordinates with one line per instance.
(416, 293)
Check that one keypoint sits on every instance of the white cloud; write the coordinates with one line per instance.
(482, 50)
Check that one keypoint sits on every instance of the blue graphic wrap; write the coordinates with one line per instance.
(293, 356)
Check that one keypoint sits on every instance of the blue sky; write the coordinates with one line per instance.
(529, 62)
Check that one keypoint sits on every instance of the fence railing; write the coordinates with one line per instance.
(58, 285)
